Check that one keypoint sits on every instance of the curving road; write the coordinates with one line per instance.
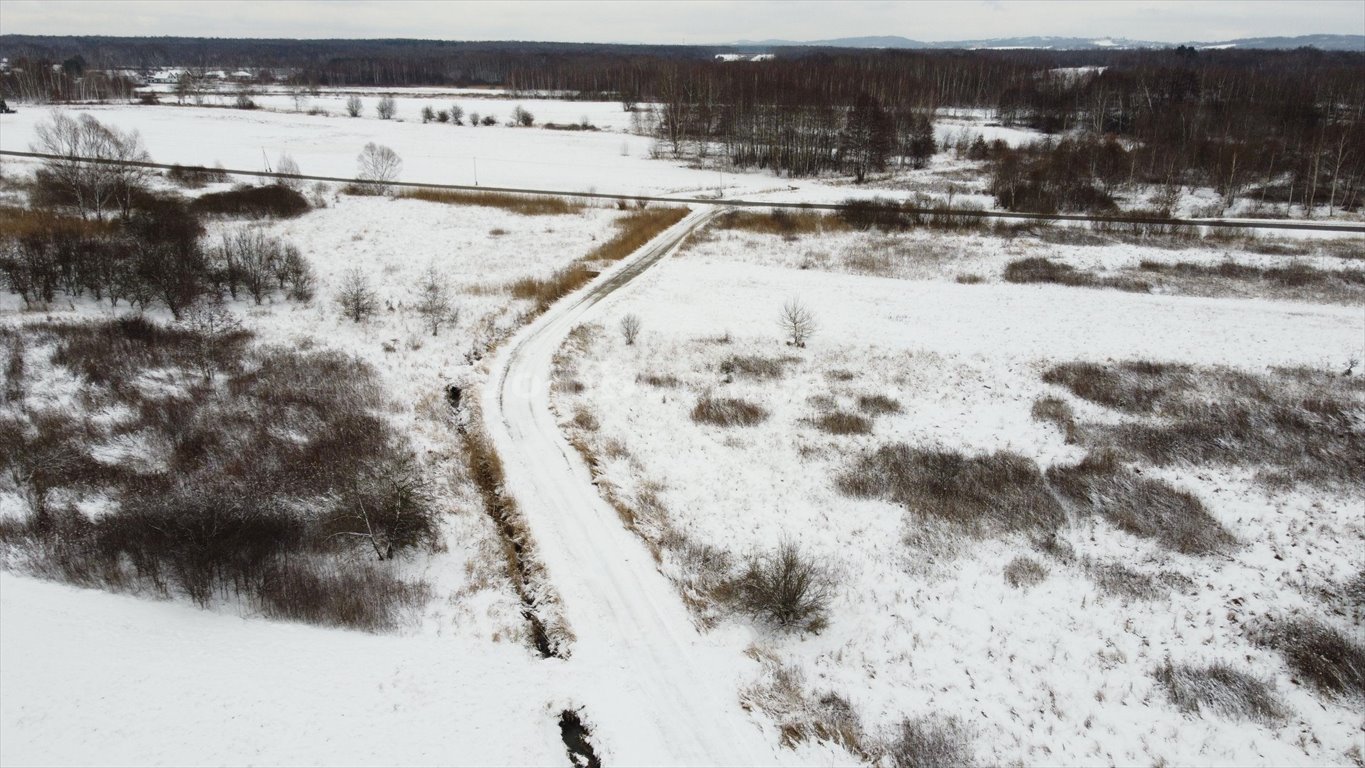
(654, 691)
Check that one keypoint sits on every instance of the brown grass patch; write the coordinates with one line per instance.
(727, 412)
(781, 222)
(526, 205)
(843, 423)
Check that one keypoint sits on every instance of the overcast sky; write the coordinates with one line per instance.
(690, 22)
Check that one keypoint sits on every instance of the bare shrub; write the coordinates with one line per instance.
(787, 588)
(1140, 505)
(843, 423)
(727, 412)
(797, 321)
(287, 166)
(992, 493)
(358, 301)
(878, 405)
(195, 176)
(780, 222)
(630, 328)
(274, 201)
(969, 279)
(931, 743)
(1024, 572)
(434, 303)
(1330, 661)
(386, 108)
(217, 335)
(388, 504)
(354, 106)
(13, 391)
(378, 166)
(522, 117)
(1220, 689)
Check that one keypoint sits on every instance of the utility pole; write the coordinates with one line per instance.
(476, 171)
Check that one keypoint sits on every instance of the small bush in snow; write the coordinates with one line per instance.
(434, 303)
(354, 106)
(386, 108)
(787, 588)
(1219, 689)
(522, 117)
(1330, 661)
(931, 743)
(798, 321)
(428, 114)
(358, 301)
(630, 328)
(844, 423)
(1024, 572)
(727, 412)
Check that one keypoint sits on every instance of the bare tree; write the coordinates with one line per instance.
(522, 117)
(92, 188)
(358, 301)
(354, 106)
(630, 328)
(390, 505)
(798, 321)
(386, 108)
(433, 302)
(286, 165)
(457, 114)
(299, 95)
(215, 330)
(379, 164)
(428, 114)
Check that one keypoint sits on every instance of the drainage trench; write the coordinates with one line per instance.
(576, 740)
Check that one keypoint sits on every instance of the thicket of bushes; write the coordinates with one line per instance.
(264, 475)
(275, 201)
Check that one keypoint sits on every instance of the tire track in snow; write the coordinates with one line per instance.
(655, 690)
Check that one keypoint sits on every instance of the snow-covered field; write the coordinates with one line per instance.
(924, 624)
(1056, 674)
(462, 686)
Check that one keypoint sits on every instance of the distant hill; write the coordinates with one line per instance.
(1322, 42)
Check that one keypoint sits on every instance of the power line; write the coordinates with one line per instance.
(959, 212)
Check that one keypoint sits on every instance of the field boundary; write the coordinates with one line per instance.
(722, 201)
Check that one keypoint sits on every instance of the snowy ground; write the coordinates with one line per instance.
(920, 626)
(462, 687)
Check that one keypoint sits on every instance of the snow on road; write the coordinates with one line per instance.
(657, 693)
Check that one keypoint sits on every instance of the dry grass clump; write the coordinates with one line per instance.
(1133, 387)
(1121, 581)
(634, 230)
(727, 412)
(931, 743)
(1057, 411)
(526, 205)
(1295, 425)
(843, 423)
(1040, 270)
(756, 366)
(16, 223)
(878, 405)
(661, 380)
(546, 291)
(1220, 689)
(967, 278)
(1024, 572)
(993, 493)
(780, 222)
(1328, 660)
(1295, 280)
(1141, 506)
